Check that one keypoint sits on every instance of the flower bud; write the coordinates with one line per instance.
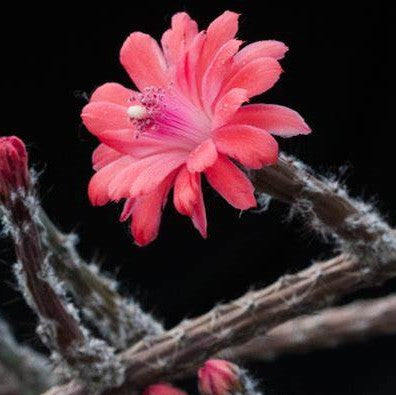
(14, 173)
(219, 377)
(163, 389)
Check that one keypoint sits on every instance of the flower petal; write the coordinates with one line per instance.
(151, 175)
(231, 183)
(256, 77)
(124, 141)
(179, 37)
(147, 212)
(227, 106)
(127, 210)
(103, 155)
(198, 216)
(251, 146)
(143, 175)
(275, 119)
(217, 69)
(222, 29)
(144, 61)
(120, 184)
(185, 195)
(205, 155)
(98, 186)
(188, 198)
(186, 69)
(100, 116)
(260, 49)
(113, 93)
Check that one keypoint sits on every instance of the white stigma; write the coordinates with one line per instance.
(137, 112)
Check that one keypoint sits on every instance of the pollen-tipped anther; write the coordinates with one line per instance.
(137, 112)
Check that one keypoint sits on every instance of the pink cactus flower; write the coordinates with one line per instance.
(187, 119)
(219, 377)
(163, 389)
(13, 166)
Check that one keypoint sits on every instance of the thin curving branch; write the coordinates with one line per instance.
(18, 208)
(328, 209)
(329, 328)
(121, 321)
(59, 329)
(79, 354)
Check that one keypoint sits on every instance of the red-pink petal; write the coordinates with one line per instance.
(103, 155)
(179, 37)
(143, 175)
(120, 184)
(152, 174)
(251, 146)
(121, 140)
(98, 186)
(231, 183)
(186, 189)
(127, 209)
(144, 61)
(100, 116)
(227, 106)
(217, 69)
(256, 77)
(275, 119)
(260, 49)
(198, 216)
(188, 198)
(147, 212)
(113, 93)
(124, 140)
(186, 69)
(205, 155)
(222, 29)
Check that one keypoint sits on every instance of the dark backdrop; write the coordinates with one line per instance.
(335, 75)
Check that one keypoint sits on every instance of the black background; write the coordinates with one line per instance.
(336, 76)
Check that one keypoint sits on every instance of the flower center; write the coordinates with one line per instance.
(148, 105)
(167, 115)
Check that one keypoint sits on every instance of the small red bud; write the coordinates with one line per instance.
(163, 389)
(219, 377)
(13, 165)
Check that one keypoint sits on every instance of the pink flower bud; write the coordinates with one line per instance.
(13, 165)
(219, 377)
(163, 389)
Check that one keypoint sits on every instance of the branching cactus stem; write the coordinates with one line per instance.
(327, 329)
(183, 349)
(121, 321)
(329, 210)
(369, 259)
(59, 328)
